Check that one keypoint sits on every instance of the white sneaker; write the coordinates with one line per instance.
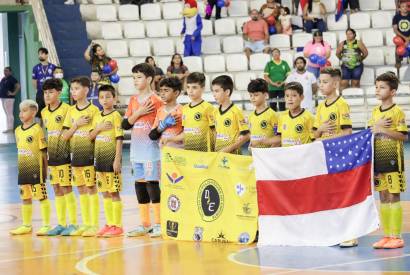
(156, 231)
(69, 2)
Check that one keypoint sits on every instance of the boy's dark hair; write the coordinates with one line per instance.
(294, 86)
(287, 10)
(333, 72)
(171, 82)
(225, 82)
(196, 78)
(59, 68)
(390, 78)
(144, 68)
(95, 71)
(8, 68)
(42, 50)
(107, 88)
(299, 58)
(53, 83)
(258, 85)
(82, 80)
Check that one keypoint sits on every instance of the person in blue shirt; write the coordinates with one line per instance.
(92, 95)
(9, 87)
(41, 72)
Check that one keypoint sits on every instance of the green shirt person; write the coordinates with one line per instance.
(65, 92)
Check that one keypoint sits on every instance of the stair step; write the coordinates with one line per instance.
(70, 49)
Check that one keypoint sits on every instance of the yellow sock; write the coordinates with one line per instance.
(396, 218)
(108, 211)
(157, 216)
(385, 218)
(144, 213)
(95, 209)
(71, 207)
(117, 213)
(61, 210)
(45, 211)
(26, 213)
(85, 209)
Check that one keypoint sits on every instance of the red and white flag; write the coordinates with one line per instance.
(302, 4)
(317, 194)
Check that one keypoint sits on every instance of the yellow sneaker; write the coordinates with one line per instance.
(43, 230)
(21, 230)
(90, 232)
(79, 231)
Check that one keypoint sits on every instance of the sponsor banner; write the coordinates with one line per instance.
(208, 197)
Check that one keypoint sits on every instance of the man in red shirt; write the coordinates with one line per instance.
(255, 34)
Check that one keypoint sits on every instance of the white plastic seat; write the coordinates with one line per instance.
(375, 57)
(163, 62)
(239, 23)
(125, 66)
(236, 63)
(117, 48)
(367, 76)
(340, 25)
(258, 61)
(330, 5)
(156, 29)
(140, 47)
(387, 5)
(163, 46)
(207, 28)
(232, 44)
(256, 4)
(126, 86)
(334, 60)
(106, 13)
(366, 5)
(179, 45)
(372, 38)
(389, 37)
(128, 12)
(360, 20)
(281, 41)
(151, 11)
(381, 19)
(175, 27)
(225, 26)
(242, 80)
(288, 57)
(88, 12)
(111, 30)
(355, 101)
(172, 10)
(390, 55)
(93, 29)
(297, 20)
(211, 45)
(300, 39)
(100, 2)
(238, 8)
(214, 63)
(330, 37)
(353, 92)
(134, 30)
(194, 63)
(405, 74)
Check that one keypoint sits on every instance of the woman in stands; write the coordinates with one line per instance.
(351, 52)
(272, 8)
(314, 15)
(319, 48)
(96, 56)
(177, 68)
(159, 74)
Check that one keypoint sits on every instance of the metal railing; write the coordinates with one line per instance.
(44, 31)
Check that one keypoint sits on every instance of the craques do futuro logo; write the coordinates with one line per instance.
(210, 200)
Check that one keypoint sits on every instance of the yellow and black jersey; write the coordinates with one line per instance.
(30, 144)
(388, 153)
(263, 125)
(337, 112)
(229, 125)
(105, 142)
(82, 148)
(58, 149)
(197, 122)
(295, 130)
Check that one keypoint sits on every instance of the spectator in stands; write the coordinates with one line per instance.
(271, 8)
(65, 92)
(9, 87)
(256, 35)
(210, 4)
(314, 14)
(41, 72)
(318, 47)
(353, 4)
(275, 74)
(159, 74)
(92, 95)
(351, 52)
(96, 56)
(286, 20)
(307, 80)
(401, 27)
(400, 1)
(177, 68)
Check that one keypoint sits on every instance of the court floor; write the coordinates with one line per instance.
(30, 254)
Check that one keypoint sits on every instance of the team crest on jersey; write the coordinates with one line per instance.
(29, 139)
(59, 119)
(264, 124)
(333, 116)
(227, 122)
(197, 116)
(299, 128)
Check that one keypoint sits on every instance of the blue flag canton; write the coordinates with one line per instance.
(348, 152)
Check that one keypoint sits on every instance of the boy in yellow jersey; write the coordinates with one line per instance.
(332, 115)
(263, 122)
(296, 124)
(78, 124)
(231, 128)
(197, 118)
(108, 136)
(59, 160)
(388, 123)
(32, 167)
